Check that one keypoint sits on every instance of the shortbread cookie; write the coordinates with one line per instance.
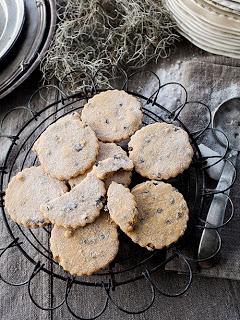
(114, 115)
(87, 250)
(67, 148)
(121, 176)
(79, 206)
(162, 215)
(160, 151)
(27, 191)
(122, 206)
(107, 167)
(108, 150)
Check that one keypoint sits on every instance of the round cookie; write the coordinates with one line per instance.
(67, 148)
(87, 250)
(122, 206)
(160, 151)
(114, 115)
(79, 206)
(27, 191)
(162, 215)
(107, 150)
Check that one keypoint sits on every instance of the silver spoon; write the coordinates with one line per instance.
(227, 119)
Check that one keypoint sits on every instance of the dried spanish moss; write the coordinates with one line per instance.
(91, 34)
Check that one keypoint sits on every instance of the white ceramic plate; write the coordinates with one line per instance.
(11, 23)
(201, 40)
(206, 20)
(203, 29)
(224, 21)
(232, 5)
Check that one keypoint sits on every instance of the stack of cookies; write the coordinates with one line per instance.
(81, 186)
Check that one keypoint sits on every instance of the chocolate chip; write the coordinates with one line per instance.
(49, 207)
(130, 149)
(159, 210)
(120, 104)
(179, 215)
(141, 221)
(116, 157)
(155, 183)
(96, 163)
(151, 246)
(78, 147)
(102, 236)
(70, 206)
(172, 201)
(168, 221)
(100, 201)
(107, 121)
(31, 221)
(141, 160)
(176, 129)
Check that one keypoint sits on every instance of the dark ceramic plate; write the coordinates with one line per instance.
(31, 46)
(12, 16)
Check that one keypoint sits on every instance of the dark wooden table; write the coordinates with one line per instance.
(208, 298)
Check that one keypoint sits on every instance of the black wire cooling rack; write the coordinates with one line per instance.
(136, 263)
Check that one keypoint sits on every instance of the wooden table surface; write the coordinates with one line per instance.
(208, 298)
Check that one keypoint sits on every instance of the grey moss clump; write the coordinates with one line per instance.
(92, 34)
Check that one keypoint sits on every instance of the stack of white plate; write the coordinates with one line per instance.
(212, 25)
(26, 29)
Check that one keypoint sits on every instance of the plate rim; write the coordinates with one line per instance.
(20, 5)
(49, 32)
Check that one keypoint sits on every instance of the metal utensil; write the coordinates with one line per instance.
(27, 46)
(227, 119)
(11, 22)
(16, 75)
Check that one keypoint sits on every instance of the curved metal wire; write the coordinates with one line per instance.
(153, 296)
(220, 158)
(199, 184)
(118, 68)
(207, 192)
(68, 290)
(36, 270)
(13, 137)
(180, 292)
(155, 93)
(196, 260)
(38, 91)
(198, 133)
(14, 243)
(173, 115)
(207, 224)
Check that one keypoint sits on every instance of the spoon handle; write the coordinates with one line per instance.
(209, 240)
